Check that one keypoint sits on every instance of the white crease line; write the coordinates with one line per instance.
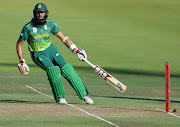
(168, 112)
(160, 109)
(38, 91)
(94, 115)
(75, 107)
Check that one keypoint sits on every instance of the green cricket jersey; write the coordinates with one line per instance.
(38, 38)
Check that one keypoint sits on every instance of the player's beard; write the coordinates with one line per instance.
(38, 23)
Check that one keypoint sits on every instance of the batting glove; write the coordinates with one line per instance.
(81, 54)
(23, 67)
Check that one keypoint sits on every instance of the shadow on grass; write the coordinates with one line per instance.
(110, 70)
(21, 101)
(136, 98)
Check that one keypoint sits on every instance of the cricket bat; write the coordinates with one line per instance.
(106, 76)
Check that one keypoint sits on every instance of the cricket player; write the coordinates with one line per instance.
(46, 55)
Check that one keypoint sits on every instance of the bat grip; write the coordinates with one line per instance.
(92, 65)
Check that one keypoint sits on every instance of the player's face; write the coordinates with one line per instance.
(40, 15)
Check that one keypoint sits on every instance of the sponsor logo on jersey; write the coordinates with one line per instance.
(34, 29)
(41, 36)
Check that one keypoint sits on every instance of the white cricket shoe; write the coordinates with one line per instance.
(62, 101)
(88, 100)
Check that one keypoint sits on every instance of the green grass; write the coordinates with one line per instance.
(129, 35)
(50, 121)
(132, 40)
(136, 107)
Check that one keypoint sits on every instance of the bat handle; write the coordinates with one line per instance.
(92, 65)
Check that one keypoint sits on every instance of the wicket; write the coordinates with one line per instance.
(168, 101)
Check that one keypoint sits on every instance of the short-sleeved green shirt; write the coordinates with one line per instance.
(38, 38)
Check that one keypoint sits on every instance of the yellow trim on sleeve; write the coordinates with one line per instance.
(48, 20)
(28, 24)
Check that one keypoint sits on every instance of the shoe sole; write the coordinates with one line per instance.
(89, 103)
(62, 103)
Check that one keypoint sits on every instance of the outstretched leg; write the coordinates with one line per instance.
(72, 77)
(54, 77)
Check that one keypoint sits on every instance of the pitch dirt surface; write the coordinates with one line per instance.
(67, 110)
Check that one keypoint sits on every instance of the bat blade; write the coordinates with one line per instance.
(117, 84)
(110, 79)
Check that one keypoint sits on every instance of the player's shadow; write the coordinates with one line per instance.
(136, 98)
(21, 101)
(127, 71)
(110, 70)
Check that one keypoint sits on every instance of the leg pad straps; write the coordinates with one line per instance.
(54, 77)
(72, 77)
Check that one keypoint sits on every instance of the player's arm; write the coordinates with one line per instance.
(19, 49)
(71, 46)
(66, 41)
(22, 66)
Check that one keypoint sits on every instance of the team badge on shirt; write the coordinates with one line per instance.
(45, 27)
(34, 29)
